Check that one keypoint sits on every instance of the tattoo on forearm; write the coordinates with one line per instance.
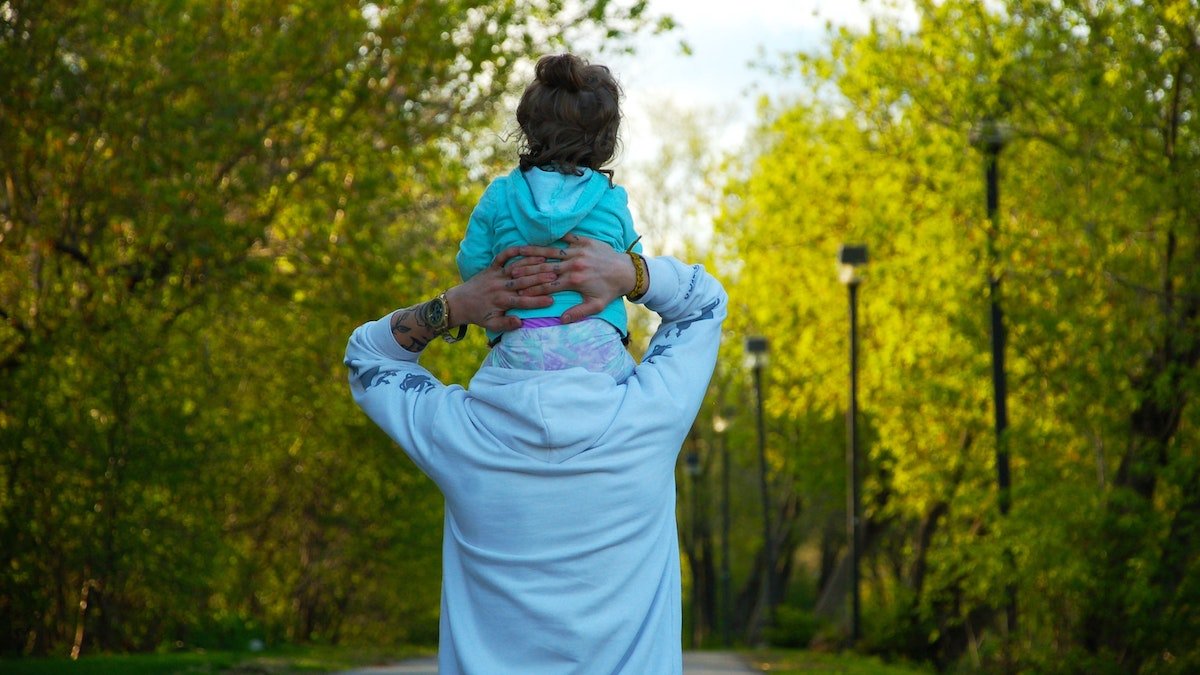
(399, 319)
(409, 328)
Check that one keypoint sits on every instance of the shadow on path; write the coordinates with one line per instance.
(694, 663)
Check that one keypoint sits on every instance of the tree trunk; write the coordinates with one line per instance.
(1127, 531)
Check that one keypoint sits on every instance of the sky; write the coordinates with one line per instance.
(726, 38)
(719, 82)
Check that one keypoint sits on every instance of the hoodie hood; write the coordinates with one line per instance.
(546, 205)
(557, 414)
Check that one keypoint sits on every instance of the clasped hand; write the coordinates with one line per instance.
(589, 267)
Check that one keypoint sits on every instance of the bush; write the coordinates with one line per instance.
(793, 627)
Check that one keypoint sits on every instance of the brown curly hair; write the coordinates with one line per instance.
(569, 116)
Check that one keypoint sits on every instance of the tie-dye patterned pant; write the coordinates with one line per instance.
(593, 344)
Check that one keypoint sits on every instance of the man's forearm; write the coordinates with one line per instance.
(410, 327)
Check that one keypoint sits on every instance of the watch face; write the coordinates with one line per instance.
(435, 314)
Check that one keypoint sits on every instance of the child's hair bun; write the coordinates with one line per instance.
(569, 116)
(562, 71)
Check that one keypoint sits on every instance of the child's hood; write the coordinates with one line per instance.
(546, 205)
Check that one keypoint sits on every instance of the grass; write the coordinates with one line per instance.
(285, 661)
(791, 662)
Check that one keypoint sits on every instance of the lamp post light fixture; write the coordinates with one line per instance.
(756, 357)
(850, 258)
(720, 426)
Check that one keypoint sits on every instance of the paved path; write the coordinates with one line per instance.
(715, 663)
(694, 663)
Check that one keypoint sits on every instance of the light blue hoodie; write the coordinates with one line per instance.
(539, 207)
(560, 551)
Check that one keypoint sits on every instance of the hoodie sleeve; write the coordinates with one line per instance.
(629, 235)
(396, 392)
(678, 364)
(475, 252)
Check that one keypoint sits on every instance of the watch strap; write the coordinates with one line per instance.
(455, 335)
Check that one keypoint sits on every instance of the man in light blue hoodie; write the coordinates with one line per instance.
(560, 549)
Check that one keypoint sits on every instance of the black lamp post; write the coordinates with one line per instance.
(756, 355)
(850, 257)
(720, 425)
(991, 136)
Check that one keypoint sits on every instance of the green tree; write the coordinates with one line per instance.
(197, 203)
(1097, 246)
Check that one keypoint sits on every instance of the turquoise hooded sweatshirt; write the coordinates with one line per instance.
(539, 207)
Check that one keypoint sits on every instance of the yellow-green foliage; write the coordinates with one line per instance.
(198, 202)
(1097, 246)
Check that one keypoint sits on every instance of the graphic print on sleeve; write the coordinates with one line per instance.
(657, 350)
(706, 312)
(375, 376)
(416, 383)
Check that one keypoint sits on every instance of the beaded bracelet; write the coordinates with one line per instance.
(640, 272)
(640, 282)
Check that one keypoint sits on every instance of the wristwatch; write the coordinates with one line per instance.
(437, 317)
